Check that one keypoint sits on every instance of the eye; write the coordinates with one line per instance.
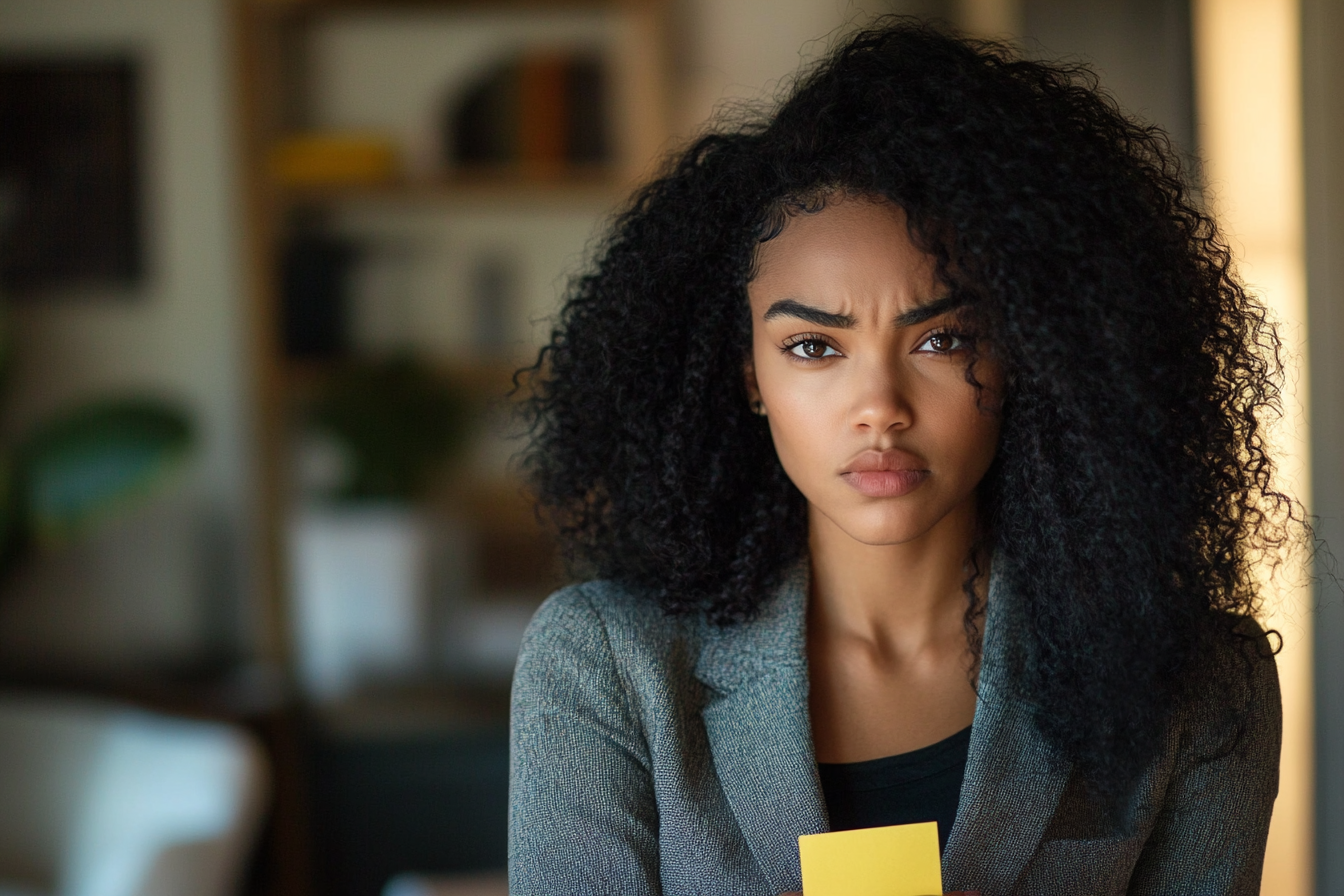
(943, 343)
(811, 349)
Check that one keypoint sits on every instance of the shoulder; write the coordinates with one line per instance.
(602, 631)
(1233, 703)
(601, 602)
(1216, 794)
(1243, 661)
(604, 613)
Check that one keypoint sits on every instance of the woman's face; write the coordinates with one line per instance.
(860, 368)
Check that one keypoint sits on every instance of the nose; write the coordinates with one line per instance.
(882, 401)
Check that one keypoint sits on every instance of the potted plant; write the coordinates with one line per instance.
(362, 552)
(77, 468)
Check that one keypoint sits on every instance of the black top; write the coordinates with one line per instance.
(922, 785)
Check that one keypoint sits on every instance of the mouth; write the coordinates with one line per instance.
(885, 474)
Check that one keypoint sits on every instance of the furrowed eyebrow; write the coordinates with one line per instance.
(793, 308)
(929, 311)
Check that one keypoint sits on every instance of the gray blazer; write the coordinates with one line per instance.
(659, 755)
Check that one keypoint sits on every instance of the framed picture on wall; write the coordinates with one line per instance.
(69, 175)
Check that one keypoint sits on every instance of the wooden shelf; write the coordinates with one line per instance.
(585, 189)
(324, 6)
(276, 43)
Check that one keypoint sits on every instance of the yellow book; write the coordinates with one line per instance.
(326, 159)
(900, 860)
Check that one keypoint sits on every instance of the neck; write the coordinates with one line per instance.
(899, 598)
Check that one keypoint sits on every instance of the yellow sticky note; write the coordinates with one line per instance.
(901, 860)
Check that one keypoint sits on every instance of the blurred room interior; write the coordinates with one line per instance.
(268, 268)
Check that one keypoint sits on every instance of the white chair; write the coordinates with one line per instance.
(98, 799)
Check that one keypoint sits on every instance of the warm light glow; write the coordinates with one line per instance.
(1247, 59)
(989, 18)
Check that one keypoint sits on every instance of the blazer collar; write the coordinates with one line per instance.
(1013, 779)
(771, 643)
(760, 737)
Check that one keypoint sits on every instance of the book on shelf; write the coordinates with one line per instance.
(544, 112)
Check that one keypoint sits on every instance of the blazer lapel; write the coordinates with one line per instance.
(1012, 785)
(760, 736)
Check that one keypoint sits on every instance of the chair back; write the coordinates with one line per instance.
(121, 802)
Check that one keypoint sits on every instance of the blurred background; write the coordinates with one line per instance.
(267, 268)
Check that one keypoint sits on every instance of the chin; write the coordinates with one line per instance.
(882, 528)
(882, 538)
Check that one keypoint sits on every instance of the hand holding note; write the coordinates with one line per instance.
(900, 860)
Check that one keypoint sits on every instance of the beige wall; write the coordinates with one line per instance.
(166, 581)
(1248, 80)
(746, 49)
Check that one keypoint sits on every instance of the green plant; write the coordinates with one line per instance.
(83, 465)
(397, 421)
(92, 463)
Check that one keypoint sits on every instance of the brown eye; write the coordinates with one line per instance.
(942, 343)
(812, 349)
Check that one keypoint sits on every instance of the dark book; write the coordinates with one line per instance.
(483, 127)
(543, 111)
(588, 127)
(314, 306)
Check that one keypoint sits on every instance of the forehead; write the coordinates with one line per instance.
(853, 251)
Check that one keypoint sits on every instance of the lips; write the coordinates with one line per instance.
(885, 474)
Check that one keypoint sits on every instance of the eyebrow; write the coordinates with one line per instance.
(794, 308)
(929, 310)
(910, 318)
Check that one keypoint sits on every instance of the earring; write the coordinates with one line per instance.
(758, 408)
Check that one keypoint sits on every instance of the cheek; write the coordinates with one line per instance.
(970, 437)
(804, 419)
(803, 427)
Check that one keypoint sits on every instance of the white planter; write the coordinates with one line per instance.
(360, 583)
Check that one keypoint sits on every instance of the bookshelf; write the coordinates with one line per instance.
(382, 78)
(595, 191)
(286, 49)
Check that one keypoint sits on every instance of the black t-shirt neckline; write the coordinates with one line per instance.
(921, 785)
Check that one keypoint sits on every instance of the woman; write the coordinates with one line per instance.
(913, 436)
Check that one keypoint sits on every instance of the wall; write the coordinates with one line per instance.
(1140, 48)
(160, 588)
(745, 50)
(1323, 155)
(737, 51)
(1247, 65)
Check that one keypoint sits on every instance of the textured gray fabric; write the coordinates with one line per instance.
(658, 755)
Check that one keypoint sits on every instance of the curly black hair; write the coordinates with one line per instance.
(1132, 492)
